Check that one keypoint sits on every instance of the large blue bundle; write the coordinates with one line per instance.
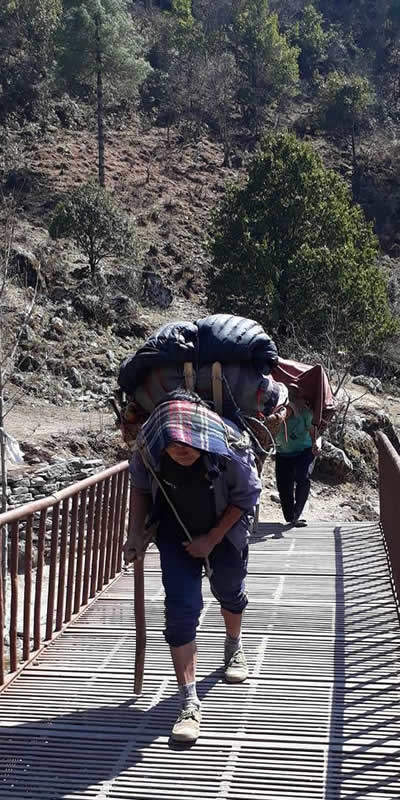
(222, 337)
(230, 339)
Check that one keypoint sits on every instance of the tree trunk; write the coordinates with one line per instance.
(92, 260)
(353, 145)
(227, 153)
(3, 507)
(100, 103)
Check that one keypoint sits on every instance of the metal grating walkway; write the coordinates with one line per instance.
(318, 718)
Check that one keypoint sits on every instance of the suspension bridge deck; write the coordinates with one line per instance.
(318, 717)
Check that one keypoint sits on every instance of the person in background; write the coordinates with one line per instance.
(297, 447)
(214, 486)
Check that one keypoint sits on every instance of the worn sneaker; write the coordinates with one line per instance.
(187, 726)
(236, 669)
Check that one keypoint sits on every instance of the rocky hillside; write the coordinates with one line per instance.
(169, 191)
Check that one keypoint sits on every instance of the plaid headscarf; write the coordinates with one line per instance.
(184, 422)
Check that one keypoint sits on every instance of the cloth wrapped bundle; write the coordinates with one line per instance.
(222, 337)
(243, 388)
(174, 343)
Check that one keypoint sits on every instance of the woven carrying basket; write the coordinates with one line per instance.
(267, 430)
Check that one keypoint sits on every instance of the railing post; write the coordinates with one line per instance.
(110, 530)
(124, 511)
(89, 543)
(2, 598)
(103, 537)
(71, 558)
(14, 596)
(389, 493)
(62, 564)
(39, 580)
(79, 558)
(52, 572)
(116, 524)
(28, 589)
(96, 539)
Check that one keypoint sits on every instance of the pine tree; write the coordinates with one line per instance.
(99, 48)
(309, 35)
(266, 61)
(344, 103)
(26, 52)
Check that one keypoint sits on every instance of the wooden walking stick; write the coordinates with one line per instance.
(140, 621)
(140, 613)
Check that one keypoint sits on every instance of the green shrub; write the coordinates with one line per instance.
(290, 249)
(99, 228)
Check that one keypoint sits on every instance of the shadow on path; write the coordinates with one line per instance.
(71, 753)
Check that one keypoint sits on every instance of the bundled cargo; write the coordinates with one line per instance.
(226, 359)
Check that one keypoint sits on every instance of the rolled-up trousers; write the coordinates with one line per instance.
(182, 579)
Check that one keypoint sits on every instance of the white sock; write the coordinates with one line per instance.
(188, 694)
(232, 644)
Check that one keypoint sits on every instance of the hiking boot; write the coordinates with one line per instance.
(187, 726)
(236, 669)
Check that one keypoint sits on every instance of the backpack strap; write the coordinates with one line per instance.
(216, 374)
(189, 376)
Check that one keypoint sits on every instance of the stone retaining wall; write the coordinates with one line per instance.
(24, 487)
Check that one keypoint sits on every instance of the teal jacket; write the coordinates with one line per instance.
(298, 434)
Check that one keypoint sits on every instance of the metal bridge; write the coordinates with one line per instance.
(319, 716)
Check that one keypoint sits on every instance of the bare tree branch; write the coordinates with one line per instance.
(11, 356)
(14, 400)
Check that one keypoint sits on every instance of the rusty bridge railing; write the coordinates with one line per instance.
(389, 490)
(71, 547)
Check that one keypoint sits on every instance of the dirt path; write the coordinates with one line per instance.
(343, 503)
(37, 421)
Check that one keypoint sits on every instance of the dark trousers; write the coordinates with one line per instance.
(182, 577)
(293, 482)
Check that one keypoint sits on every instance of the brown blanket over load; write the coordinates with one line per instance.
(313, 384)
